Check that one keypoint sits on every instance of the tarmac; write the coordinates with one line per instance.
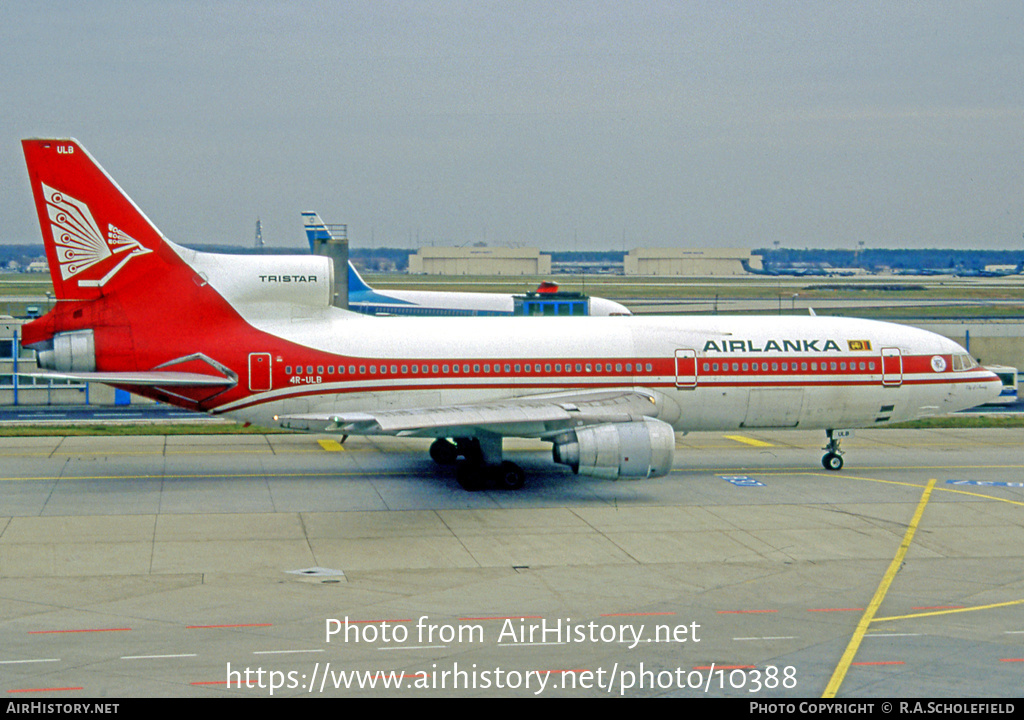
(289, 565)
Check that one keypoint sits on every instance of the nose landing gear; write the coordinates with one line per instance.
(833, 459)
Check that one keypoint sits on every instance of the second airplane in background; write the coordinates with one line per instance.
(370, 301)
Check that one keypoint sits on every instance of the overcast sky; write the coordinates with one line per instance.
(563, 125)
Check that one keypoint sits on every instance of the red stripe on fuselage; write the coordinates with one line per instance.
(356, 386)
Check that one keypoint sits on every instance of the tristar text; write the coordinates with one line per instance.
(288, 278)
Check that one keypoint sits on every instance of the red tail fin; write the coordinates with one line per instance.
(96, 239)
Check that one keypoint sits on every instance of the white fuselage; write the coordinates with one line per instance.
(707, 373)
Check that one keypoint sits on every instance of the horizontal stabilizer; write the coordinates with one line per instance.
(148, 379)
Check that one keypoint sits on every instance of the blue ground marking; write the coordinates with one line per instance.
(986, 483)
(742, 480)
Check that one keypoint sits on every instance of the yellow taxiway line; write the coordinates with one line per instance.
(869, 614)
(749, 441)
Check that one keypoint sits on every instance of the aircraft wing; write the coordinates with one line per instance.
(532, 416)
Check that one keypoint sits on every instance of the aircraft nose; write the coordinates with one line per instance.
(992, 386)
(603, 306)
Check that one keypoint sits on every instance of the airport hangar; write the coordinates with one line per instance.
(714, 262)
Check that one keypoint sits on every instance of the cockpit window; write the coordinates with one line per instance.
(963, 361)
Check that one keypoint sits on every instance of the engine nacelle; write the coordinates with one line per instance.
(306, 280)
(69, 352)
(639, 449)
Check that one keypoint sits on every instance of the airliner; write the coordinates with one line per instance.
(364, 299)
(257, 339)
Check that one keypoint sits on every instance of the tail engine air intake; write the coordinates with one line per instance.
(70, 352)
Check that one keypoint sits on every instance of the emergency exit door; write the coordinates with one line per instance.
(892, 367)
(686, 369)
(259, 372)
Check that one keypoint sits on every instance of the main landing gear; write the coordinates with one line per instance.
(833, 459)
(482, 463)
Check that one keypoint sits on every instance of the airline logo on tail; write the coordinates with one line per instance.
(316, 230)
(80, 242)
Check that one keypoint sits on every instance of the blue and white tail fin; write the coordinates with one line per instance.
(318, 232)
(356, 284)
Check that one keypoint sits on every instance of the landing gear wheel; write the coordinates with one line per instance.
(470, 476)
(469, 448)
(832, 461)
(509, 476)
(443, 452)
